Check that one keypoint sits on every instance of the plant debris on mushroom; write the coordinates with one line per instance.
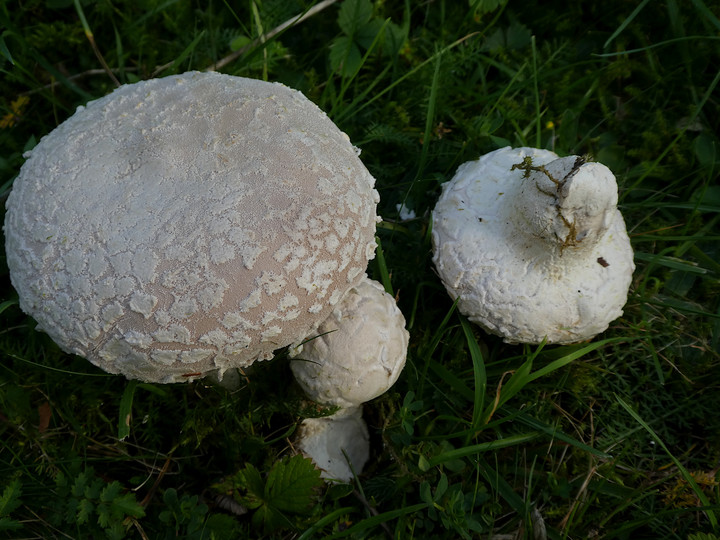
(189, 224)
(533, 246)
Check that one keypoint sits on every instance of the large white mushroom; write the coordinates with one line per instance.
(533, 246)
(358, 355)
(189, 224)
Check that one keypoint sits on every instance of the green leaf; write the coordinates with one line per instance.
(441, 488)
(127, 505)
(353, 14)
(82, 482)
(93, 490)
(394, 39)
(222, 527)
(84, 511)
(344, 56)
(425, 493)
(170, 499)
(10, 498)
(110, 492)
(706, 150)
(367, 33)
(104, 517)
(702, 536)
(518, 36)
(250, 479)
(7, 524)
(267, 518)
(239, 42)
(291, 485)
(115, 532)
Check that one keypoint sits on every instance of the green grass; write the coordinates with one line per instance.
(616, 438)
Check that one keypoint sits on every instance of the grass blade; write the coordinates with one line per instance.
(379, 519)
(501, 486)
(7, 303)
(326, 520)
(4, 49)
(382, 268)
(125, 412)
(625, 23)
(512, 440)
(560, 362)
(91, 39)
(479, 375)
(434, 342)
(705, 12)
(183, 55)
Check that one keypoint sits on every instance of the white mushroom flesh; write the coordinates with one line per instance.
(532, 246)
(187, 224)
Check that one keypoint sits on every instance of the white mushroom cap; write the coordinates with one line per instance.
(533, 246)
(187, 224)
(360, 352)
(328, 440)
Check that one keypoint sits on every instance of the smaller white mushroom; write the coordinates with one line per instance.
(533, 246)
(360, 350)
(358, 355)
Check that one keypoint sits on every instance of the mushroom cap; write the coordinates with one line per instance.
(360, 351)
(188, 224)
(533, 246)
(328, 440)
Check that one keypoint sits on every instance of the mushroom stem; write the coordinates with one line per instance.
(568, 203)
(339, 444)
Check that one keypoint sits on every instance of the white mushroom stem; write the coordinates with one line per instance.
(358, 355)
(339, 444)
(568, 203)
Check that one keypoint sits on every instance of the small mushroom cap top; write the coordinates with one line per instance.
(360, 351)
(533, 246)
(189, 224)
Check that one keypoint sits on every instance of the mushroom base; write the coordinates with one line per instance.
(339, 445)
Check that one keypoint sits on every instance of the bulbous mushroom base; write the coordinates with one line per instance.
(339, 445)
